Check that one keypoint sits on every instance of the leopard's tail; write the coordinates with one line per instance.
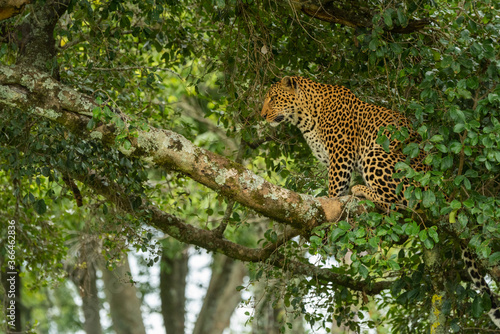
(480, 284)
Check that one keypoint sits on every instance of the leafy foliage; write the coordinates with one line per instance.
(201, 69)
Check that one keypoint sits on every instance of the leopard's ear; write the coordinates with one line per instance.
(290, 84)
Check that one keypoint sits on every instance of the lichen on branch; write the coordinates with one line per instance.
(38, 93)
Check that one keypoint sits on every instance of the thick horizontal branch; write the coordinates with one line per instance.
(350, 14)
(40, 94)
(213, 241)
(37, 93)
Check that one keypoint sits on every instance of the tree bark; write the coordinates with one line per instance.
(37, 45)
(174, 270)
(437, 319)
(124, 305)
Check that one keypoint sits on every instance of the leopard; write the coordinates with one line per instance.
(341, 131)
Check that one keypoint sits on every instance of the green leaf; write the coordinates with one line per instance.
(467, 184)
(458, 180)
(90, 124)
(363, 271)
(464, 93)
(437, 138)
(344, 225)
(373, 242)
(429, 244)
(373, 44)
(338, 232)
(443, 148)
(428, 198)
(469, 203)
(455, 327)
(126, 144)
(388, 19)
(402, 298)
(381, 232)
(360, 232)
(411, 150)
(455, 204)
(455, 147)
(459, 127)
(396, 48)
(402, 18)
(413, 294)
(477, 307)
(446, 62)
(446, 308)
(493, 97)
(472, 82)
(494, 258)
(433, 234)
(393, 264)
(423, 235)
(315, 240)
(446, 162)
(383, 141)
(412, 229)
(486, 301)
(452, 217)
(360, 241)
(40, 206)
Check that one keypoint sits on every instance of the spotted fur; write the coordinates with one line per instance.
(341, 131)
(481, 285)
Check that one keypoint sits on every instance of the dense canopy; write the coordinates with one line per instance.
(134, 126)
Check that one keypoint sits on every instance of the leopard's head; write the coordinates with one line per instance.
(282, 102)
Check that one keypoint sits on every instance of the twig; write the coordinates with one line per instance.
(130, 68)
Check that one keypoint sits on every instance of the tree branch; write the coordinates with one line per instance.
(38, 93)
(32, 91)
(213, 241)
(345, 13)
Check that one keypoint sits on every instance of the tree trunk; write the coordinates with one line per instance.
(174, 270)
(84, 277)
(270, 316)
(37, 45)
(230, 298)
(125, 307)
(433, 265)
(221, 298)
(265, 320)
